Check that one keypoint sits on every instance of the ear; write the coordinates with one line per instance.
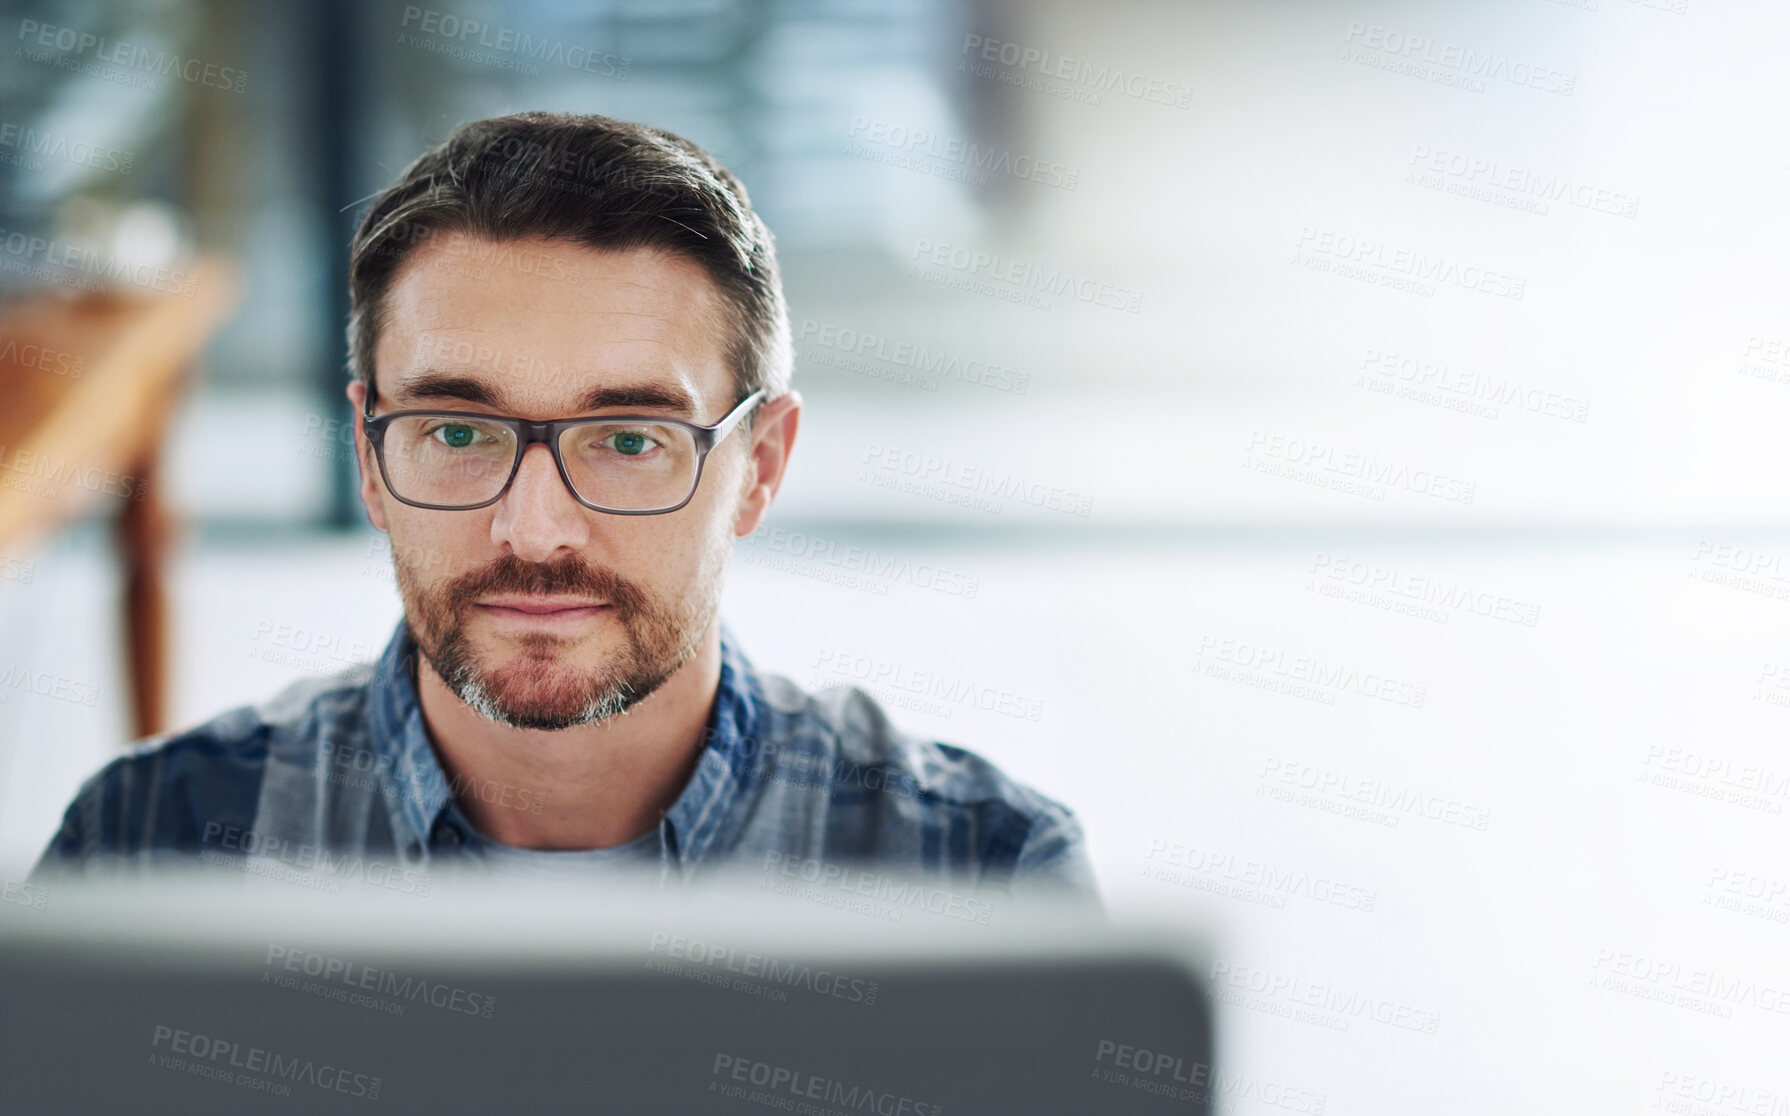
(773, 436)
(372, 494)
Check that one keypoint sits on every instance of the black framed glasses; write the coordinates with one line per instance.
(620, 464)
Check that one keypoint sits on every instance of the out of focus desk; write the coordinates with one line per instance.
(87, 387)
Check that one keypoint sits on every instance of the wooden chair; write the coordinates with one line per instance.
(88, 384)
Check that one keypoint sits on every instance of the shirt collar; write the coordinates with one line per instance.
(401, 740)
(699, 817)
(695, 820)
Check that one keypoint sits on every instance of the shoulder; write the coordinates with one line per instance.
(897, 789)
(167, 789)
(855, 728)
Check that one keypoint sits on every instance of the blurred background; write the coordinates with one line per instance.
(1378, 524)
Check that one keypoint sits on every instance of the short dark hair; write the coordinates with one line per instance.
(591, 180)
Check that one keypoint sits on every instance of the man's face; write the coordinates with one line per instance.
(530, 329)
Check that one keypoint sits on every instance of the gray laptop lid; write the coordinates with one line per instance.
(182, 996)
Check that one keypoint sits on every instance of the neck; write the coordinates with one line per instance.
(589, 787)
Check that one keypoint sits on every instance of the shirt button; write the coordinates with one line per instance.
(450, 836)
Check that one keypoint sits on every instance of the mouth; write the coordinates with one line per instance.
(542, 610)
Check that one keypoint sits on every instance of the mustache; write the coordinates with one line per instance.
(570, 576)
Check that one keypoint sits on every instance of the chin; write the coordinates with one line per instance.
(540, 670)
(533, 644)
(520, 689)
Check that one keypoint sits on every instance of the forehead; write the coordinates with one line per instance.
(538, 327)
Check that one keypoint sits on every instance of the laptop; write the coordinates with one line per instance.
(191, 994)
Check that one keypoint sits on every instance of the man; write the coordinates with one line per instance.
(560, 694)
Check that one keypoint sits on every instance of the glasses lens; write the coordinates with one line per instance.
(448, 460)
(630, 466)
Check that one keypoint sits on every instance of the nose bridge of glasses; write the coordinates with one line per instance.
(536, 470)
(541, 453)
(539, 441)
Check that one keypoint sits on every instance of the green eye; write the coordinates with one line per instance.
(630, 442)
(456, 435)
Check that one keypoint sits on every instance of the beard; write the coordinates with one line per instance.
(542, 685)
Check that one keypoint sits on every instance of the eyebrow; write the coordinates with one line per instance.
(471, 389)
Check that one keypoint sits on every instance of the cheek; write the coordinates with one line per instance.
(719, 501)
(431, 553)
(657, 553)
(663, 555)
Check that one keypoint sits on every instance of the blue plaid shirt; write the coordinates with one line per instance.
(340, 770)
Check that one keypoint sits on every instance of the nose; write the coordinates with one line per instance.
(538, 517)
